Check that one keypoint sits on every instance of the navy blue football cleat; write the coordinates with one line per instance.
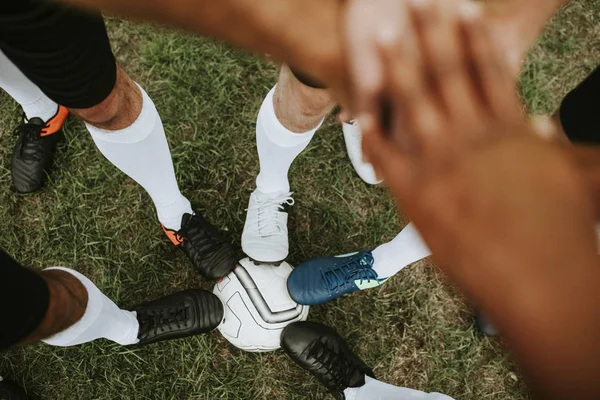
(319, 280)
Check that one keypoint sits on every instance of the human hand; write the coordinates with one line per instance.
(505, 213)
(514, 30)
(462, 158)
(366, 23)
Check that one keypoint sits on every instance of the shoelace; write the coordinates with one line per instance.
(331, 362)
(164, 319)
(192, 229)
(268, 211)
(31, 146)
(341, 275)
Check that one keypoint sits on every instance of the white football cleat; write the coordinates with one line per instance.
(353, 139)
(265, 236)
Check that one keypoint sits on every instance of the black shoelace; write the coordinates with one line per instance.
(163, 320)
(337, 368)
(31, 145)
(197, 235)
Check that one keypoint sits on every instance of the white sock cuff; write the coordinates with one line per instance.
(350, 393)
(274, 129)
(92, 311)
(139, 130)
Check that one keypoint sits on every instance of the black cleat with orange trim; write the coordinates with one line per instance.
(34, 151)
(208, 251)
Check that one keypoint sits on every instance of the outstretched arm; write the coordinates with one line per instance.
(304, 33)
(588, 161)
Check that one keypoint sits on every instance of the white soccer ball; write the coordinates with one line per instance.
(257, 305)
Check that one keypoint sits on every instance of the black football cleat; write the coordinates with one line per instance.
(208, 251)
(10, 391)
(325, 354)
(178, 315)
(34, 152)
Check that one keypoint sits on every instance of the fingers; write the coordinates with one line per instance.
(365, 69)
(447, 88)
(365, 20)
(445, 58)
(419, 116)
(491, 72)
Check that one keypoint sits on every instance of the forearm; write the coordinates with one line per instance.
(528, 258)
(552, 327)
(588, 160)
(304, 33)
(547, 313)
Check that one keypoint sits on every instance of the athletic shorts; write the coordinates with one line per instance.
(580, 111)
(24, 300)
(307, 80)
(63, 50)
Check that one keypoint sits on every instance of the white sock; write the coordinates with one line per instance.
(102, 319)
(376, 390)
(277, 147)
(33, 101)
(404, 249)
(141, 151)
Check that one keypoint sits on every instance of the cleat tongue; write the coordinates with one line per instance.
(36, 121)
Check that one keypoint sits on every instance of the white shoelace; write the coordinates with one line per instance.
(268, 210)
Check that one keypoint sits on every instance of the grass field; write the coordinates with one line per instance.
(415, 331)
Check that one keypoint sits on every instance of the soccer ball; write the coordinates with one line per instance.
(257, 305)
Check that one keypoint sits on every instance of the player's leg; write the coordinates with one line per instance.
(325, 354)
(66, 52)
(323, 279)
(61, 307)
(39, 132)
(290, 115)
(352, 138)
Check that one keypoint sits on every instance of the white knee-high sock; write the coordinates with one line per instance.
(404, 249)
(102, 319)
(376, 390)
(141, 151)
(33, 101)
(277, 147)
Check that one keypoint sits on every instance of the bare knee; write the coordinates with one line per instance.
(300, 107)
(119, 110)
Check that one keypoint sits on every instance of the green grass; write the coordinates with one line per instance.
(415, 331)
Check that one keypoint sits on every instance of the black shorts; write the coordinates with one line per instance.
(307, 80)
(580, 111)
(24, 300)
(64, 51)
